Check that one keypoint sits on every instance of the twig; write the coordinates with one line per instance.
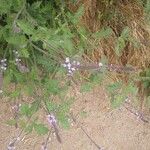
(98, 147)
(11, 145)
(18, 14)
(43, 51)
(136, 113)
(44, 145)
(52, 121)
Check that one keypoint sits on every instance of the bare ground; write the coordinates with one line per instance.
(111, 129)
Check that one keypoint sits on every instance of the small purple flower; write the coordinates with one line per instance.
(70, 66)
(67, 60)
(100, 64)
(43, 147)
(11, 146)
(3, 65)
(16, 107)
(51, 119)
(22, 68)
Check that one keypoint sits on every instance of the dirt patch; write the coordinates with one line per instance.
(111, 129)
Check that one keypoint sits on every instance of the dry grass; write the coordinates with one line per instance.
(117, 15)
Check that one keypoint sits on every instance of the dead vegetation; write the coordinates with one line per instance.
(118, 15)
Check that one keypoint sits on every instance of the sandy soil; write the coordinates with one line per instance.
(111, 129)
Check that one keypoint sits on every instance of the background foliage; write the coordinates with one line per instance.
(46, 32)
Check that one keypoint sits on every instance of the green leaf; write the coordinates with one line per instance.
(36, 5)
(131, 89)
(17, 40)
(24, 53)
(103, 33)
(112, 88)
(29, 128)
(121, 41)
(28, 89)
(25, 26)
(35, 106)
(68, 47)
(76, 18)
(63, 120)
(15, 93)
(5, 6)
(40, 129)
(65, 106)
(117, 101)
(52, 86)
(96, 78)
(51, 106)
(125, 33)
(120, 45)
(25, 110)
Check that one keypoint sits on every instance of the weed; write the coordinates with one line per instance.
(40, 39)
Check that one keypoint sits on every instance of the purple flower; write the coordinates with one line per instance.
(51, 119)
(43, 147)
(3, 64)
(11, 146)
(70, 66)
(67, 60)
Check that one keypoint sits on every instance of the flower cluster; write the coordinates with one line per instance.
(16, 107)
(16, 54)
(21, 68)
(71, 66)
(3, 65)
(51, 119)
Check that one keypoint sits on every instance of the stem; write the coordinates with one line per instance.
(18, 14)
(136, 113)
(44, 145)
(98, 147)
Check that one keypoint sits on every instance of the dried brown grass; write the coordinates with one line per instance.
(98, 14)
(117, 15)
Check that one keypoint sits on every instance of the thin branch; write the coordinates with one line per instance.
(12, 144)
(44, 145)
(42, 51)
(18, 14)
(135, 112)
(75, 121)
